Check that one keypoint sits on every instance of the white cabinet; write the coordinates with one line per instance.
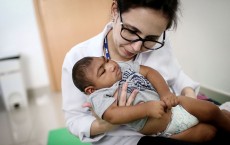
(12, 88)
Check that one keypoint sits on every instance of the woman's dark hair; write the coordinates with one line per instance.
(79, 76)
(168, 7)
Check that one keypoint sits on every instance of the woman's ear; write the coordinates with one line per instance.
(89, 90)
(114, 9)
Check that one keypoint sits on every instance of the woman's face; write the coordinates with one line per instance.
(145, 22)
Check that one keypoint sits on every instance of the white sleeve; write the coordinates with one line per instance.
(78, 119)
(181, 80)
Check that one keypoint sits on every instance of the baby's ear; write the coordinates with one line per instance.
(89, 90)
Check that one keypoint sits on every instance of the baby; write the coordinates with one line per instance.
(101, 79)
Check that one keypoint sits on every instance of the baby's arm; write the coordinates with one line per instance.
(155, 79)
(160, 85)
(126, 114)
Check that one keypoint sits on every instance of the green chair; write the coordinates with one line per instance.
(62, 136)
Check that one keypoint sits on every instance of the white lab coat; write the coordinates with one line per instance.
(79, 119)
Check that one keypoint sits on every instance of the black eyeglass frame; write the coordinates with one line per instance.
(141, 39)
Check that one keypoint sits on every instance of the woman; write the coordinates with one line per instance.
(137, 32)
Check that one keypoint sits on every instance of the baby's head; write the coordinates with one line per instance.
(93, 73)
(80, 73)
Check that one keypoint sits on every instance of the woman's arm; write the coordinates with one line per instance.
(100, 126)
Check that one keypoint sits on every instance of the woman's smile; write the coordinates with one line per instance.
(128, 53)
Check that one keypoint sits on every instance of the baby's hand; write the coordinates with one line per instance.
(156, 109)
(170, 100)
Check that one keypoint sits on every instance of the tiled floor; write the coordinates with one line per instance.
(30, 126)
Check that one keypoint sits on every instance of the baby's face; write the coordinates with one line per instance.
(104, 73)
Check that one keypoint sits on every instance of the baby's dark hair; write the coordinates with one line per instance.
(168, 7)
(79, 75)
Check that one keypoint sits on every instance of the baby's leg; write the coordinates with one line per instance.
(206, 112)
(226, 112)
(198, 133)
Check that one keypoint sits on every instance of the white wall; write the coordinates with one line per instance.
(202, 42)
(19, 32)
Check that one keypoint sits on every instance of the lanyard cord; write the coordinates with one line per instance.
(107, 55)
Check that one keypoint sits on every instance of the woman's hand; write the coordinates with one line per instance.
(122, 99)
(189, 92)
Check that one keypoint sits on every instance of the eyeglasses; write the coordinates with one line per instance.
(149, 42)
